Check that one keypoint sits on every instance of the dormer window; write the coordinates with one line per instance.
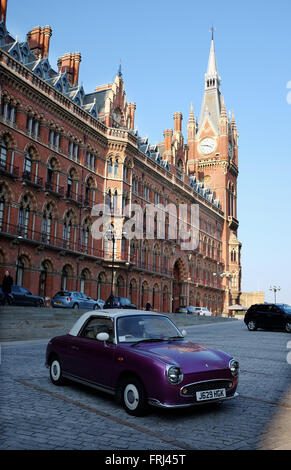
(15, 55)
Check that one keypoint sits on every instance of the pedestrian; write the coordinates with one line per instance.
(6, 287)
(148, 306)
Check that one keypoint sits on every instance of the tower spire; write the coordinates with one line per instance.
(211, 105)
(212, 69)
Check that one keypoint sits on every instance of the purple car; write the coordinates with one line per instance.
(142, 359)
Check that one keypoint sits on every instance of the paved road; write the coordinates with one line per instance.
(37, 415)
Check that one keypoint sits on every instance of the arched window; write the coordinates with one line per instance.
(108, 200)
(24, 216)
(50, 173)
(88, 190)
(64, 278)
(115, 199)
(67, 231)
(84, 277)
(47, 223)
(110, 166)
(3, 154)
(27, 163)
(85, 234)
(70, 183)
(116, 168)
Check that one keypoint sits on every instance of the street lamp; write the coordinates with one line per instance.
(275, 289)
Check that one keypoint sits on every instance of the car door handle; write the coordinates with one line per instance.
(76, 348)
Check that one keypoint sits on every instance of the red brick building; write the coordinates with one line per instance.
(63, 151)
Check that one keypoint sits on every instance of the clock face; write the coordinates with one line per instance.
(207, 146)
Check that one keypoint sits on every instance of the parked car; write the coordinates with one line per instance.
(118, 302)
(203, 311)
(21, 296)
(191, 309)
(143, 359)
(268, 316)
(181, 309)
(73, 299)
(100, 303)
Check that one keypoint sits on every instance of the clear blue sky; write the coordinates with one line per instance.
(164, 47)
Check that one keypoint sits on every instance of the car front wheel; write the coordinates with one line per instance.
(288, 327)
(133, 397)
(56, 372)
(252, 326)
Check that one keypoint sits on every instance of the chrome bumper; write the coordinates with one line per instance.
(157, 403)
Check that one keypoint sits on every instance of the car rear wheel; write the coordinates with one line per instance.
(133, 396)
(288, 327)
(56, 372)
(96, 307)
(252, 326)
(76, 306)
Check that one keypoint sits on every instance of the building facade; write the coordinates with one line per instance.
(65, 153)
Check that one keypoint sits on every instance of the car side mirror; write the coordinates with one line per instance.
(184, 333)
(102, 337)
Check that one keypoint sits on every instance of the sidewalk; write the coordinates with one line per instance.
(28, 323)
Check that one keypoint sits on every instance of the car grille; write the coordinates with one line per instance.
(191, 389)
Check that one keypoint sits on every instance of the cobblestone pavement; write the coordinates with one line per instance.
(37, 415)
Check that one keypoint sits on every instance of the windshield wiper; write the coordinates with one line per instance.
(174, 337)
(149, 340)
(152, 340)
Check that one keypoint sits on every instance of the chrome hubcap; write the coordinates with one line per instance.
(131, 396)
(55, 368)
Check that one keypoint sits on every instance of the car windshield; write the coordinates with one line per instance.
(143, 328)
(286, 308)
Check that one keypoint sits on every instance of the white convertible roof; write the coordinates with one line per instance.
(111, 313)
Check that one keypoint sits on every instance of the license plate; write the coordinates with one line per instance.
(211, 394)
(58, 303)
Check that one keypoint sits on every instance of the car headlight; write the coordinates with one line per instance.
(234, 367)
(174, 374)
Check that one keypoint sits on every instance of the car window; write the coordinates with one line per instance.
(63, 293)
(124, 301)
(144, 327)
(285, 308)
(97, 325)
(22, 290)
(16, 289)
(265, 308)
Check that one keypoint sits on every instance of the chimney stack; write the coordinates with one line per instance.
(168, 140)
(178, 122)
(131, 109)
(39, 40)
(70, 63)
(3, 10)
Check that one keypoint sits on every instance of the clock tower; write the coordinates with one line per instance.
(213, 159)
